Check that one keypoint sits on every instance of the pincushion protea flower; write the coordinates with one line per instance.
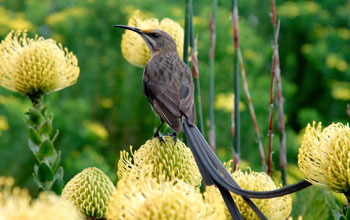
(135, 50)
(35, 66)
(168, 159)
(275, 208)
(141, 197)
(89, 191)
(16, 203)
(324, 156)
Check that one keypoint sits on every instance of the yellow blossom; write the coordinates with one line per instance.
(135, 50)
(62, 17)
(139, 197)
(224, 101)
(34, 66)
(173, 161)
(90, 191)
(324, 156)
(4, 125)
(13, 21)
(275, 208)
(16, 203)
(97, 129)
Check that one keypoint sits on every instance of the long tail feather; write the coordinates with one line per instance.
(209, 181)
(212, 164)
(210, 172)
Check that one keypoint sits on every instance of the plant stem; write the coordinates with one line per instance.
(235, 109)
(194, 62)
(273, 70)
(281, 123)
(252, 111)
(212, 22)
(47, 173)
(187, 32)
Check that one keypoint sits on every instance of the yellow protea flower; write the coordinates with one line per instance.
(170, 160)
(35, 66)
(140, 197)
(16, 203)
(135, 50)
(275, 208)
(89, 191)
(324, 156)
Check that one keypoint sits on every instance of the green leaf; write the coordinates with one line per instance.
(347, 215)
(57, 186)
(34, 136)
(46, 149)
(35, 116)
(44, 173)
(56, 161)
(37, 182)
(44, 108)
(33, 147)
(55, 136)
(46, 127)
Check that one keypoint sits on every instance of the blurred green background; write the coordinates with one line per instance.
(105, 111)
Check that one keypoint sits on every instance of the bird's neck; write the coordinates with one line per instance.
(157, 53)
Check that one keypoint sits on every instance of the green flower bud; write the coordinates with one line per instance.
(89, 191)
(168, 159)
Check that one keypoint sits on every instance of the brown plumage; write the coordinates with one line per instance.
(168, 86)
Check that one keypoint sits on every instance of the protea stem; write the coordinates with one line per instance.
(252, 111)
(195, 71)
(281, 123)
(47, 173)
(212, 22)
(187, 31)
(235, 109)
(275, 61)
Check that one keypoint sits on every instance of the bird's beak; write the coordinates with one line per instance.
(137, 30)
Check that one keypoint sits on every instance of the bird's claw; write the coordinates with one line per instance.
(173, 135)
(160, 138)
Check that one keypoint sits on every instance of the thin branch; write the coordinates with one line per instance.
(275, 61)
(187, 32)
(197, 94)
(348, 109)
(212, 22)
(194, 63)
(235, 109)
(273, 13)
(252, 111)
(281, 123)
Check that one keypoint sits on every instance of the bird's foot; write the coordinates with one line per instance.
(160, 138)
(174, 136)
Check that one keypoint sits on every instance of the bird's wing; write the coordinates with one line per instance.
(169, 88)
(186, 92)
(162, 95)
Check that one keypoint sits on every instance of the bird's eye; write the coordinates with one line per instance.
(155, 35)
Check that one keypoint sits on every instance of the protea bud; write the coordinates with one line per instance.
(16, 203)
(275, 208)
(35, 66)
(168, 160)
(324, 156)
(89, 191)
(145, 198)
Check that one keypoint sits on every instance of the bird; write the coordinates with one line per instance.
(168, 85)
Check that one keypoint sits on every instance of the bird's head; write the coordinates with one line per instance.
(156, 40)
